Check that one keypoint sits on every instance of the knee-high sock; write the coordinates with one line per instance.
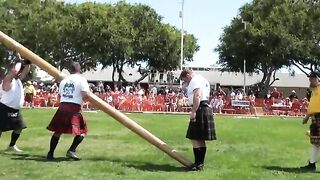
(76, 141)
(197, 155)
(14, 138)
(203, 151)
(314, 153)
(53, 143)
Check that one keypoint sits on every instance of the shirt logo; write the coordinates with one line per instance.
(68, 90)
(13, 115)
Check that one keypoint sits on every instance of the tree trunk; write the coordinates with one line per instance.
(141, 78)
(265, 84)
(120, 70)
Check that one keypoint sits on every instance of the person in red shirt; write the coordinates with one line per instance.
(275, 93)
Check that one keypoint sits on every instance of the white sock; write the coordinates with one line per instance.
(314, 153)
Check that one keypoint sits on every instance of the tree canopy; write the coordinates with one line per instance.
(93, 34)
(278, 33)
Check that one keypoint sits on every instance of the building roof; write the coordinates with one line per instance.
(214, 76)
(236, 79)
(129, 74)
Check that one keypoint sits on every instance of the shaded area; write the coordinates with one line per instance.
(287, 169)
(143, 166)
(34, 157)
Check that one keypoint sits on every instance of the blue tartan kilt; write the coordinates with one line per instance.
(315, 130)
(203, 128)
(10, 119)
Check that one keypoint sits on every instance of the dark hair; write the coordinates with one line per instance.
(314, 74)
(73, 67)
(184, 73)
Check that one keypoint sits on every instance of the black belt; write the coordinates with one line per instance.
(71, 103)
(204, 103)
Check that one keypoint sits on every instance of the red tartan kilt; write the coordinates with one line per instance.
(28, 98)
(68, 120)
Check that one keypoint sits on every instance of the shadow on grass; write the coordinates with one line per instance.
(34, 157)
(143, 166)
(287, 169)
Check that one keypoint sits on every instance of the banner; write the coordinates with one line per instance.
(240, 103)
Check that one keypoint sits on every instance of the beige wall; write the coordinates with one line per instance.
(286, 91)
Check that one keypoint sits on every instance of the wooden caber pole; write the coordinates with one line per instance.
(96, 101)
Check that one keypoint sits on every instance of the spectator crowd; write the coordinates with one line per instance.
(153, 98)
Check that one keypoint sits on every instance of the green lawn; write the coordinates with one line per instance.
(265, 148)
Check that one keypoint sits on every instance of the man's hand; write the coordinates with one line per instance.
(305, 119)
(193, 116)
(27, 62)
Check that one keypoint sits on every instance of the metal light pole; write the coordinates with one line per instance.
(244, 62)
(182, 34)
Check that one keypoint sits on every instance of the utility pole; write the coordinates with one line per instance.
(244, 62)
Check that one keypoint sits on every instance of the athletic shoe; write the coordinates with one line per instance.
(196, 167)
(309, 167)
(72, 155)
(13, 148)
(50, 156)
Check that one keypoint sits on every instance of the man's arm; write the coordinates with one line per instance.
(25, 72)
(196, 103)
(6, 83)
(85, 95)
(305, 119)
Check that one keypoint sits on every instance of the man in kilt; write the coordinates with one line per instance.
(12, 97)
(314, 113)
(201, 125)
(68, 119)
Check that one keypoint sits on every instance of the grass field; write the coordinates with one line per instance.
(264, 148)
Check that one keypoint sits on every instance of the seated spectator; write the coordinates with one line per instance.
(304, 105)
(287, 102)
(220, 92)
(293, 95)
(275, 93)
(296, 107)
(217, 104)
(181, 102)
(267, 103)
(53, 99)
(239, 95)
(232, 94)
(252, 100)
(170, 101)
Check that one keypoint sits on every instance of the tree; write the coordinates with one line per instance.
(277, 35)
(138, 38)
(94, 34)
(305, 29)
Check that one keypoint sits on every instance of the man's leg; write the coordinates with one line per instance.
(53, 144)
(313, 159)
(199, 151)
(71, 153)
(14, 137)
(314, 153)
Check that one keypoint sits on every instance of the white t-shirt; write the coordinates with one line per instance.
(70, 88)
(13, 98)
(198, 82)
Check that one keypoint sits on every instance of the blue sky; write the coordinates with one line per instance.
(203, 18)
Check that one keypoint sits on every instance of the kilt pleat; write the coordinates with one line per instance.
(315, 129)
(203, 128)
(68, 120)
(10, 119)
